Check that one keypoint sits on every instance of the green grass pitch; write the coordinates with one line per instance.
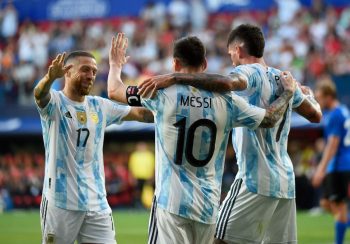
(131, 226)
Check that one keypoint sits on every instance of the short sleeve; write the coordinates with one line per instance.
(47, 112)
(115, 112)
(298, 98)
(249, 73)
(152, 103)
(245, 114)
(335, 126)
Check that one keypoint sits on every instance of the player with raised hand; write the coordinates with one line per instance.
(74, 204)
(192, 130)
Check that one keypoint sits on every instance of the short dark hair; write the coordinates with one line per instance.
(327, 88)
(190, 51)
(251, 36)
(78, 53)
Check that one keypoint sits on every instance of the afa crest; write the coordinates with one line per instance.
(81, 116)
(94, 117)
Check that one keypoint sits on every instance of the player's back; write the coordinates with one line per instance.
(337, 123)
(192, 129)
(262, 155)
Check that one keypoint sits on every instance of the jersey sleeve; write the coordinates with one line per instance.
(153, 104)
(249, 74)
(245, 114)
(298, 98)
(335, 125)
(115, 112)
(47, 112)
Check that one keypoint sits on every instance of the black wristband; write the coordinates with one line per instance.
(132, 97)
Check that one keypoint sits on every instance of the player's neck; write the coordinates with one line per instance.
(73, 95)
(334, 104)
(188, 70)
(253, 60)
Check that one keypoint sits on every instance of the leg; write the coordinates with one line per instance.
(283, 227)
(98, 227)
(339, 211)
(244, 216)
(59, 226)
(203, 233)
(173, 229)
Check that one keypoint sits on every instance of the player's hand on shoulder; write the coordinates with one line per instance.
(288, 82)
(57, 69)
(149, 87)
(117, 51)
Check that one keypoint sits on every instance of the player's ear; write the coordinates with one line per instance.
(205, 64)
(177, 65)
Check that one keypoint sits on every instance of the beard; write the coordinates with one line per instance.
(84, 90)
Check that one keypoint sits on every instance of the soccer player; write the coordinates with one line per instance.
(192, 129)
(334, 168)
(260, 206)
(74, 204)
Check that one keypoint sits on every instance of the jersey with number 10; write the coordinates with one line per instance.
(192, 130)
(263, 161)
(337, 123)
(73, 138)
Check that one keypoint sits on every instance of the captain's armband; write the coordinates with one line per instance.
(132, 97)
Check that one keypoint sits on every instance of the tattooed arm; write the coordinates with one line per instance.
(56, 70)
(211, 82)
(277, 109)
(309, 108)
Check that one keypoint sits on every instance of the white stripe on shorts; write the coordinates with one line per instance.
(226, 208)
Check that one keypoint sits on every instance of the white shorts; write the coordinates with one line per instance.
(245, 217)
(61, 226)
(165, 227)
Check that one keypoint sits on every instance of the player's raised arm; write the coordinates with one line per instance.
(211, 82)
(116, 88)
(56, 70)
(276, 109)
(309, 108)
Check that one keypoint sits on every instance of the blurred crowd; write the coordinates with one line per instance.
(311, 42)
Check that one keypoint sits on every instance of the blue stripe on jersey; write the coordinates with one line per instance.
(185, 181)
(272, 163)
(252, 166)
(95, 164)
(208, 208)
(46, 132)
(165, 167)
(61, 177)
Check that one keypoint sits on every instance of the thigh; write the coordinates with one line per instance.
(98, 227)
(244, 216)
(203, 233)
(283, 227)
(173, 229)
(59, 226)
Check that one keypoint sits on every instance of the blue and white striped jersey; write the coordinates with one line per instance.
(263, 161)
(73, 138)
(192, 130)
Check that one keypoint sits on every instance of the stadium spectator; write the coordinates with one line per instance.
(141, 166)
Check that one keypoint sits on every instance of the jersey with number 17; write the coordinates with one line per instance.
(192, 130)
(73, 135)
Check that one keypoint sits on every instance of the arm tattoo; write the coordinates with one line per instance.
(212, 82)
(276, 110)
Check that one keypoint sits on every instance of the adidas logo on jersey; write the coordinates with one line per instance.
(68, 115)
